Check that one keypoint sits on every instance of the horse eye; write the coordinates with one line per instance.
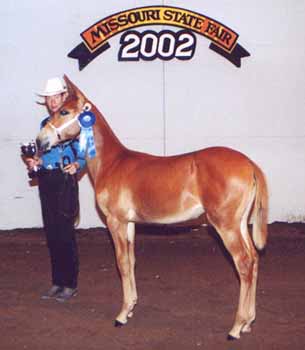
(64, 112)
(87, 107)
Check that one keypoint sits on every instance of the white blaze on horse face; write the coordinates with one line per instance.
(47, 137)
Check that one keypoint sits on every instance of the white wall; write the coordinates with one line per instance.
(258, 109)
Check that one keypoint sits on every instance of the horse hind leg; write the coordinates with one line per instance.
(252, 291)
(244, 263)
(254, 263)
(238, 243)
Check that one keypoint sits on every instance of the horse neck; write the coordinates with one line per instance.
(108, 146)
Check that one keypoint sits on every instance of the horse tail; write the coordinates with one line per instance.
(260, 210)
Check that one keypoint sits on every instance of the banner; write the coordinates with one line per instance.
(95, 38)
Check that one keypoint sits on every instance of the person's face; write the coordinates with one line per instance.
(55, 102)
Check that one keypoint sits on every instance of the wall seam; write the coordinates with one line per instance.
(164, 103)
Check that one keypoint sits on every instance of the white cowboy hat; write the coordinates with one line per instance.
(54, 86)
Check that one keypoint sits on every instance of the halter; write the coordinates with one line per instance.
(86, 108)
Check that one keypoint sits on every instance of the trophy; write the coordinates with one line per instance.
(29, 150)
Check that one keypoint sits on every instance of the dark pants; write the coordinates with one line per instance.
(59, 203)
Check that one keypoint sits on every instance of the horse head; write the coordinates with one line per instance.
(64, 125)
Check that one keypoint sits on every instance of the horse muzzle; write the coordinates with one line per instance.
(44, 141)
(43, 145)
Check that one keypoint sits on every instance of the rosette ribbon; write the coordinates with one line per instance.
(86, 138)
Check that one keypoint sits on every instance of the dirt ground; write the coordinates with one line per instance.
(187, 288)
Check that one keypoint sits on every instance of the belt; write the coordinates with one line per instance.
(45, 171)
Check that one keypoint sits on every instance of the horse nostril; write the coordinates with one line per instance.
(38, 143)
(46, 146)
(43, 145)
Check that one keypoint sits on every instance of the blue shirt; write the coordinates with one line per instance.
(64, 154)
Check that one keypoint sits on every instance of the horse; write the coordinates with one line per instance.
(133, 187)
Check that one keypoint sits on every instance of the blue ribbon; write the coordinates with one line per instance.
(86, 138)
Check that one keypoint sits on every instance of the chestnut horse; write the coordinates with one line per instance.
(133, 187)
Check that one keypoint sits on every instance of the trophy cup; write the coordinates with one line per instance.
(29, 150)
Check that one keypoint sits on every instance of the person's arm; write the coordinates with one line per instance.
(31, 163)
(72, 168)
(79, 162)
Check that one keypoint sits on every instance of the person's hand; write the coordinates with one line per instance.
(71, 168)
(31, 163)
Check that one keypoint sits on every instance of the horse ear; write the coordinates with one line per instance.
(73, 90)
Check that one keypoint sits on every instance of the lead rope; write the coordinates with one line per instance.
(61, 162)
(69, 195)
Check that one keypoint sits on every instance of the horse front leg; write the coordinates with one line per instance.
(119, 232)
(132, 263)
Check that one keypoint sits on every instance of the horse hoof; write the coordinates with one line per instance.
(118, 324)
(230, 337)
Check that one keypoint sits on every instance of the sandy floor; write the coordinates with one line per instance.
(187, 287)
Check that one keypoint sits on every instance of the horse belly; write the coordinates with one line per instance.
(180, 216)
(173, 208)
